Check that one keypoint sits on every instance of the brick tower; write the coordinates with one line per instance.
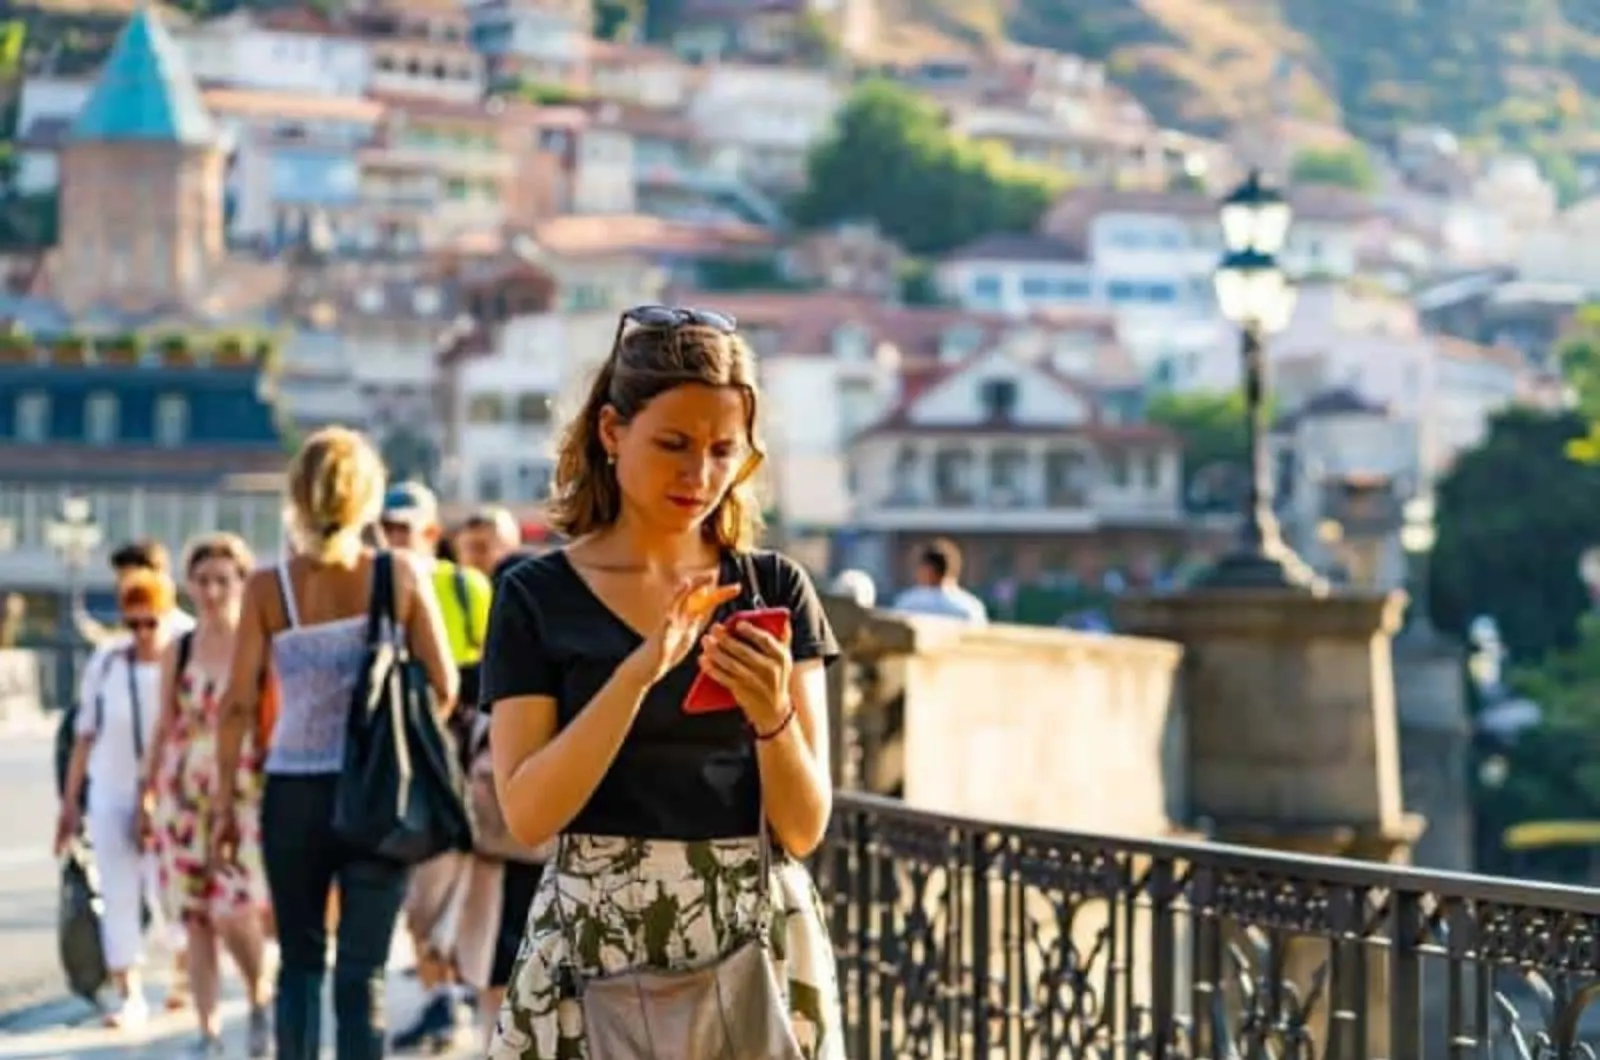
(141, 183)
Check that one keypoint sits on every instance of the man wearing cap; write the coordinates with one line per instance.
(451, 907)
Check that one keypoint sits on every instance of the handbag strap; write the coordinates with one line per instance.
(381, 622)
(764, 912)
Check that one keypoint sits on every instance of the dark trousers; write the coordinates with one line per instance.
(304, 859)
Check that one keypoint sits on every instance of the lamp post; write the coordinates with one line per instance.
(75, 536)
(1417, 538)
(1254, 294)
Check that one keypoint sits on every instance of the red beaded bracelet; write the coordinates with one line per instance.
(763, 737)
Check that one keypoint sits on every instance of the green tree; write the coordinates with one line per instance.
(1514, 514)
(1216, 449)
(612, 17)
(890, 159)
(1343, 167)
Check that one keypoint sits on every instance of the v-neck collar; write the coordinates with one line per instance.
(615, 617)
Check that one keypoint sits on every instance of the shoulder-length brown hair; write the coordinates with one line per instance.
(647, 362)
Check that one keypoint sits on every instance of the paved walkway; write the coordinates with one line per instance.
(74, 1032)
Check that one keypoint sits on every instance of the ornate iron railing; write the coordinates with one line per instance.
(970, 940)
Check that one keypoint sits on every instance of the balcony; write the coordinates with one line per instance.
(441, 157)
(964, 939)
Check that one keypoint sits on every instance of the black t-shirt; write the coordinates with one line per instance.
(677, 776)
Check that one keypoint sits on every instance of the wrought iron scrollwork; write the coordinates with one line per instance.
(967, 940)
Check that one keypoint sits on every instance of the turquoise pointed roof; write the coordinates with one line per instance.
(145, 92)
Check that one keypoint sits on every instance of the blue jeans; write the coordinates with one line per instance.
(304, 859)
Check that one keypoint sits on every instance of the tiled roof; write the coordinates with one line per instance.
(1006, 246)
(804, 323)
(254, 103)
(145, 92)
(603, 235)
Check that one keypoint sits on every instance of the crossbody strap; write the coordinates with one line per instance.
(137, 707)
(764, 913)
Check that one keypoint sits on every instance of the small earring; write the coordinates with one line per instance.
(611, 459)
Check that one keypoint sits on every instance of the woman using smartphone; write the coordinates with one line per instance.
(592, 650)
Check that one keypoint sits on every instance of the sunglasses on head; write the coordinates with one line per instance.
(140, 625)
(672, 316)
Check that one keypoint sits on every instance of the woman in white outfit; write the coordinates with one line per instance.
(116, 719)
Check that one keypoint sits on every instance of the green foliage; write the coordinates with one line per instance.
(744, 274)
(1343, 167)
(918, 286)
(1212, 427)
(29, 221)
(1553, 769)
(543, 94)
(613, 17)
(891, 160)
(815, 43)
(1517, 561)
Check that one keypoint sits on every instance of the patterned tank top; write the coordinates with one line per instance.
(317, 667)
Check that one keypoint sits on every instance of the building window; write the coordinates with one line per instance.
(986, 288)
(952, 476)
(172, 420)
(533, 481)
(1066, 479)
(490, 489)
(999, 398)
(100, 418)
(533, 409)
(33, 417)
(486, 408)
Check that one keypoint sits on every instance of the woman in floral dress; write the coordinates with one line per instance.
(220, 909)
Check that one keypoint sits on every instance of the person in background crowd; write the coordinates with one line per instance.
(152, 557)
(219, 909)
(593, 649)
(115, 722)
(858, 586)
(452, 903)
(486, 539)
(146, 555)
(13, 614)
(520, 879)
(938, 590)
(308, 614)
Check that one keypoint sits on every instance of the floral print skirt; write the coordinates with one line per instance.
(667, 905)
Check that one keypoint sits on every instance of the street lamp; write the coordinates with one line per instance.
(1254, 293)
(75, 536)
(1418, 535)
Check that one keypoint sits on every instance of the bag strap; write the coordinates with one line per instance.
(380, 606)
(185, 649)
(106, 664)
(764, 912)
(133, 700)
(458, 579)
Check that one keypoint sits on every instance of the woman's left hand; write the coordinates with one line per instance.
(754, 665)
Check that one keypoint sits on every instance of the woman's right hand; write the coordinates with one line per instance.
(68, 823)
(696, 600)
(224, 852)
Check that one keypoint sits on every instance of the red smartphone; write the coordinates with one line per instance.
(706, 695)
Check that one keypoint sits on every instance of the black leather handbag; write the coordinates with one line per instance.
(401, 795)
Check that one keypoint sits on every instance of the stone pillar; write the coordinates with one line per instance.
(1293, 735)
